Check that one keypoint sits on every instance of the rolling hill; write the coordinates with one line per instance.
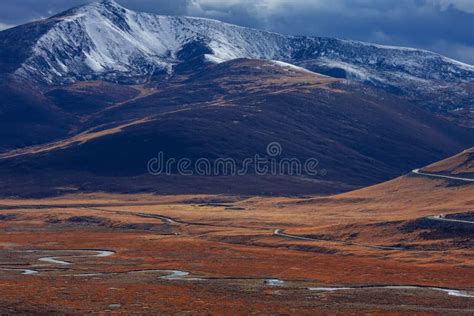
(360, 135)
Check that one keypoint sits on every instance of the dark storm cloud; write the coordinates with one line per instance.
(444, 26)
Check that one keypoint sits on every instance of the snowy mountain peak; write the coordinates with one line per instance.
(100, 6)
(105, 4)
(109, 5)
(103, 40)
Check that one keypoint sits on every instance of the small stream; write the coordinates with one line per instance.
(185, 276)
(450, 292)
(56, 260)
(23, 271)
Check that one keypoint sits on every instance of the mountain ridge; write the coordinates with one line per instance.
(105, 41)
(86, 88)
(76, 47)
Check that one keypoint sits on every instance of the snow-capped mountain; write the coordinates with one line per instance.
(216, 90)
(107, 41)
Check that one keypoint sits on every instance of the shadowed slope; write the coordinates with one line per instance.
(234, 110)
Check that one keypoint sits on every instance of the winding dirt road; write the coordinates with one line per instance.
(433, 175)
(281, 233)
(442, 218)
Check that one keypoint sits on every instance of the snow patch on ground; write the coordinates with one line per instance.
(294, 67)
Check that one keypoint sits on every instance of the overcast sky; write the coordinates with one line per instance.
(443, 26)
